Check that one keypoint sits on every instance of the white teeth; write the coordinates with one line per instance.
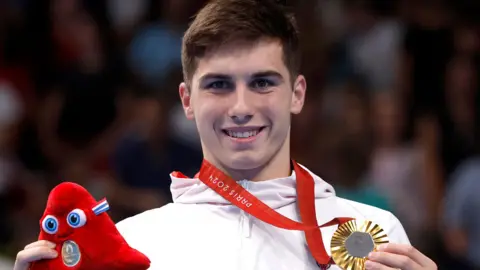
(245, 134)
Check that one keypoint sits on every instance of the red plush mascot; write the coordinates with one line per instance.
(85, 236)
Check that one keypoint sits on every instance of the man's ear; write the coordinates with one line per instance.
(186, 100)
(298, 94)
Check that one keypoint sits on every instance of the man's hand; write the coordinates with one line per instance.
(34, 252)
(397, 256)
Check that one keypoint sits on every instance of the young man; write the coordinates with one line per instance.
(240, 61)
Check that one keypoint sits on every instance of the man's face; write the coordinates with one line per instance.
(241, 98)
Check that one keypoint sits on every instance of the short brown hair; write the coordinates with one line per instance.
(227, 21)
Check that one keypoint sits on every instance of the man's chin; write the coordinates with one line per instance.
(244, 161)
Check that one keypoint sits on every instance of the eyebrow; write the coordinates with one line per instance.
(267, 73)
(216, 76)
(260, 74)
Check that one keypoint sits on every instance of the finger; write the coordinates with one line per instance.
(406, 250)
(371, 265)
(26, 256)
(394, 260)
(40, 244)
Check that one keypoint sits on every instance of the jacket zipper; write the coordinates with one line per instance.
(245, 220)
(245, 230)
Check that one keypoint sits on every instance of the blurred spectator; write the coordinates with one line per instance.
(373, 42)
(428, 47)
(350, 149)
(366, 39)
(20, 192)
(147, 155)
(397, 168)
(352, 182)
(126, 15)
(11, 112)
(22, 196)
(156, 48)
(427, 50)
(458, 141)
(461, 225)
(82, 114)
(354, 113)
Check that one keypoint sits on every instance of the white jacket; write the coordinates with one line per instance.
(201, 230)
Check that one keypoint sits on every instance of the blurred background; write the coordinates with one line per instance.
(88, 93)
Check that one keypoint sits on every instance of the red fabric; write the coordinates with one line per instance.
(100, 243)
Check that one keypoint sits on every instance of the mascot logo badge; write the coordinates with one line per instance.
(71, 253)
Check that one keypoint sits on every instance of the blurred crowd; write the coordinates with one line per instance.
(88, 93)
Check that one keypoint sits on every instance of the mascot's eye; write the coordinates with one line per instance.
(76, 218)
(50, 224)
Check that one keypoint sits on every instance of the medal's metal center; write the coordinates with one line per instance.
(71, 253)
(359, 244)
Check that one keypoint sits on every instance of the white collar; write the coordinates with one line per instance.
(275, 193)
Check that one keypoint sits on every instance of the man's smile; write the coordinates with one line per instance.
(244, 134)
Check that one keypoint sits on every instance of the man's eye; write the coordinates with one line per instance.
(261, 83)
(219, 85)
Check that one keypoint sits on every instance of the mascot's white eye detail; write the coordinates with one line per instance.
(76, 218)
(50, 224)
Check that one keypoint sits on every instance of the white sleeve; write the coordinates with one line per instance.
(124, 227)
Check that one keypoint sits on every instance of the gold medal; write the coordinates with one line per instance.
(353, 241)
(71, 254)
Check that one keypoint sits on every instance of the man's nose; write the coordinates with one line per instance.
(241, 111)
(241, 120)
